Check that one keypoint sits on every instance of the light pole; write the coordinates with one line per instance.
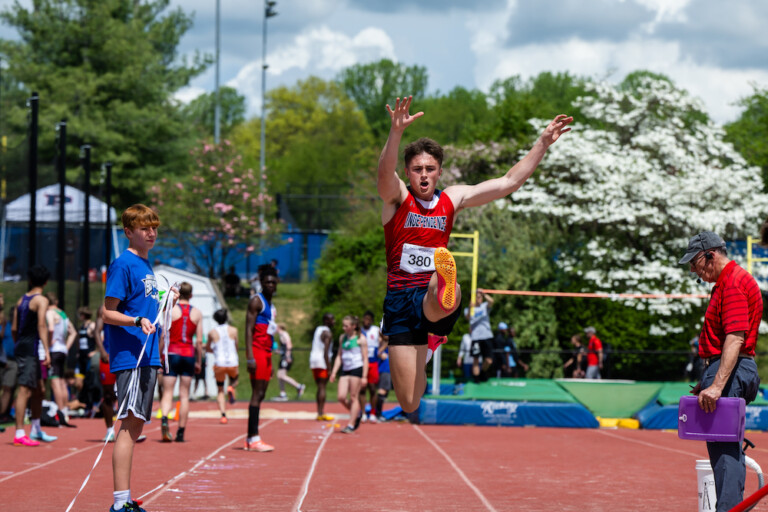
(217, 108)
(269, 11)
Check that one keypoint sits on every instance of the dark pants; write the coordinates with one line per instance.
(727, 459)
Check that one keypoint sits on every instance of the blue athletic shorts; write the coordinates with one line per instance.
(404, 321)
(180, 366)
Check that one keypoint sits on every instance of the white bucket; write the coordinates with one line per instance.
(707, 495)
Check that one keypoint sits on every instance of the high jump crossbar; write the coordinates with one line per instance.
(613, 296)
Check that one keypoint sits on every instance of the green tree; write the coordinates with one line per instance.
(515, 102)
(749, 132)
(460, 117)
(373, 85)
(202, 112)
(317, 142)
(109, 68)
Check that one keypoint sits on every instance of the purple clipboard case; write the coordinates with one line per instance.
(725, 424)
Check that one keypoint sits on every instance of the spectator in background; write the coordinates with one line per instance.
(578, 358)
(231, 283)
(184, 359)
(29, 331)
(222, 342)
(9, 371)
(501, 367)
(286, 360)
(320, 362)
(479, 316)
(62, 334)
(594, 354)
(695, 365)
(352, 360)
(514, 362)
(464, 361)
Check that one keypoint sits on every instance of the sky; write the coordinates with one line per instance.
(715, 49)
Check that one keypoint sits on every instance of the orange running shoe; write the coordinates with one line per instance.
(324, 417)
(445, 266)
(223, 420)
(258, 446)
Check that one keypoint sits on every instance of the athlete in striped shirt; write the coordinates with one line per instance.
(422, 294)
(727, 347)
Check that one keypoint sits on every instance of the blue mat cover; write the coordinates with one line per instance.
(498, 413)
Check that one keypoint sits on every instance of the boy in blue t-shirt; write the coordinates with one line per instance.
(131, 304)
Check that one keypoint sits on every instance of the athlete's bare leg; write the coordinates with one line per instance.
(406, 365)
(184, 390)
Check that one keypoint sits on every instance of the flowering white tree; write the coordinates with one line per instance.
(633, 181)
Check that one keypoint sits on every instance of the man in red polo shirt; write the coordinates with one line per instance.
(727, 347)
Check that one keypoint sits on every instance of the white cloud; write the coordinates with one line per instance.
(187, 94)
(314, 51)
(717, 87)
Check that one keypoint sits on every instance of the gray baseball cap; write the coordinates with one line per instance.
(704, 241)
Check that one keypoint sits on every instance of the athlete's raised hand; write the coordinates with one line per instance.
(555, 129)
(401, 119)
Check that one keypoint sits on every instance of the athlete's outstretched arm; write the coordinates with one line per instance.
(465, 196)
(390, 187)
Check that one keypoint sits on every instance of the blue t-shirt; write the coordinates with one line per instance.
(131, 280)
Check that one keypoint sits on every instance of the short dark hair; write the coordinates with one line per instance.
(266, 271)
(185, 290)
(220, 316)
(423, 145)
(85, 311)
(38, 275)
(369, 313)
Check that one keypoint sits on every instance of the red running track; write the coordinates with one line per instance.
(391, 466)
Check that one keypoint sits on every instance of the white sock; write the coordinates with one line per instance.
(254, 439)
(36, 426)
(111, 430)
(121, 498)
(20, 433)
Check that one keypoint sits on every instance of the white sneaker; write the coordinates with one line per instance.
(364, 419)
(280, 398)
(110, 437)
(372, 419)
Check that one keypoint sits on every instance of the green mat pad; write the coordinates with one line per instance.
(610, 399)
(672, 391)
(516, 390)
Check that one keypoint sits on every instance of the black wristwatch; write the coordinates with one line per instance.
(137, 321)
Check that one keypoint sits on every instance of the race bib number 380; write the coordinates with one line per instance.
(417, 259)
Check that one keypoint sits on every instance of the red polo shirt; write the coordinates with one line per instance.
(736, 305)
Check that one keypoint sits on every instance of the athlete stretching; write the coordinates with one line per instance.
(422, 292)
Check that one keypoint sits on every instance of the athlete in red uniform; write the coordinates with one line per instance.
(185, 356)
(260, 326)
(422, 294)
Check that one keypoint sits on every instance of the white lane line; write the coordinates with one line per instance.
(305, 487)
(40, 466)
(645, 443)
(162, 487)
(479, 494)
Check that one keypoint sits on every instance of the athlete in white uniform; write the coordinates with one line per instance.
(352, 358)
(62, 334)
(320, 361)
(222, 342)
